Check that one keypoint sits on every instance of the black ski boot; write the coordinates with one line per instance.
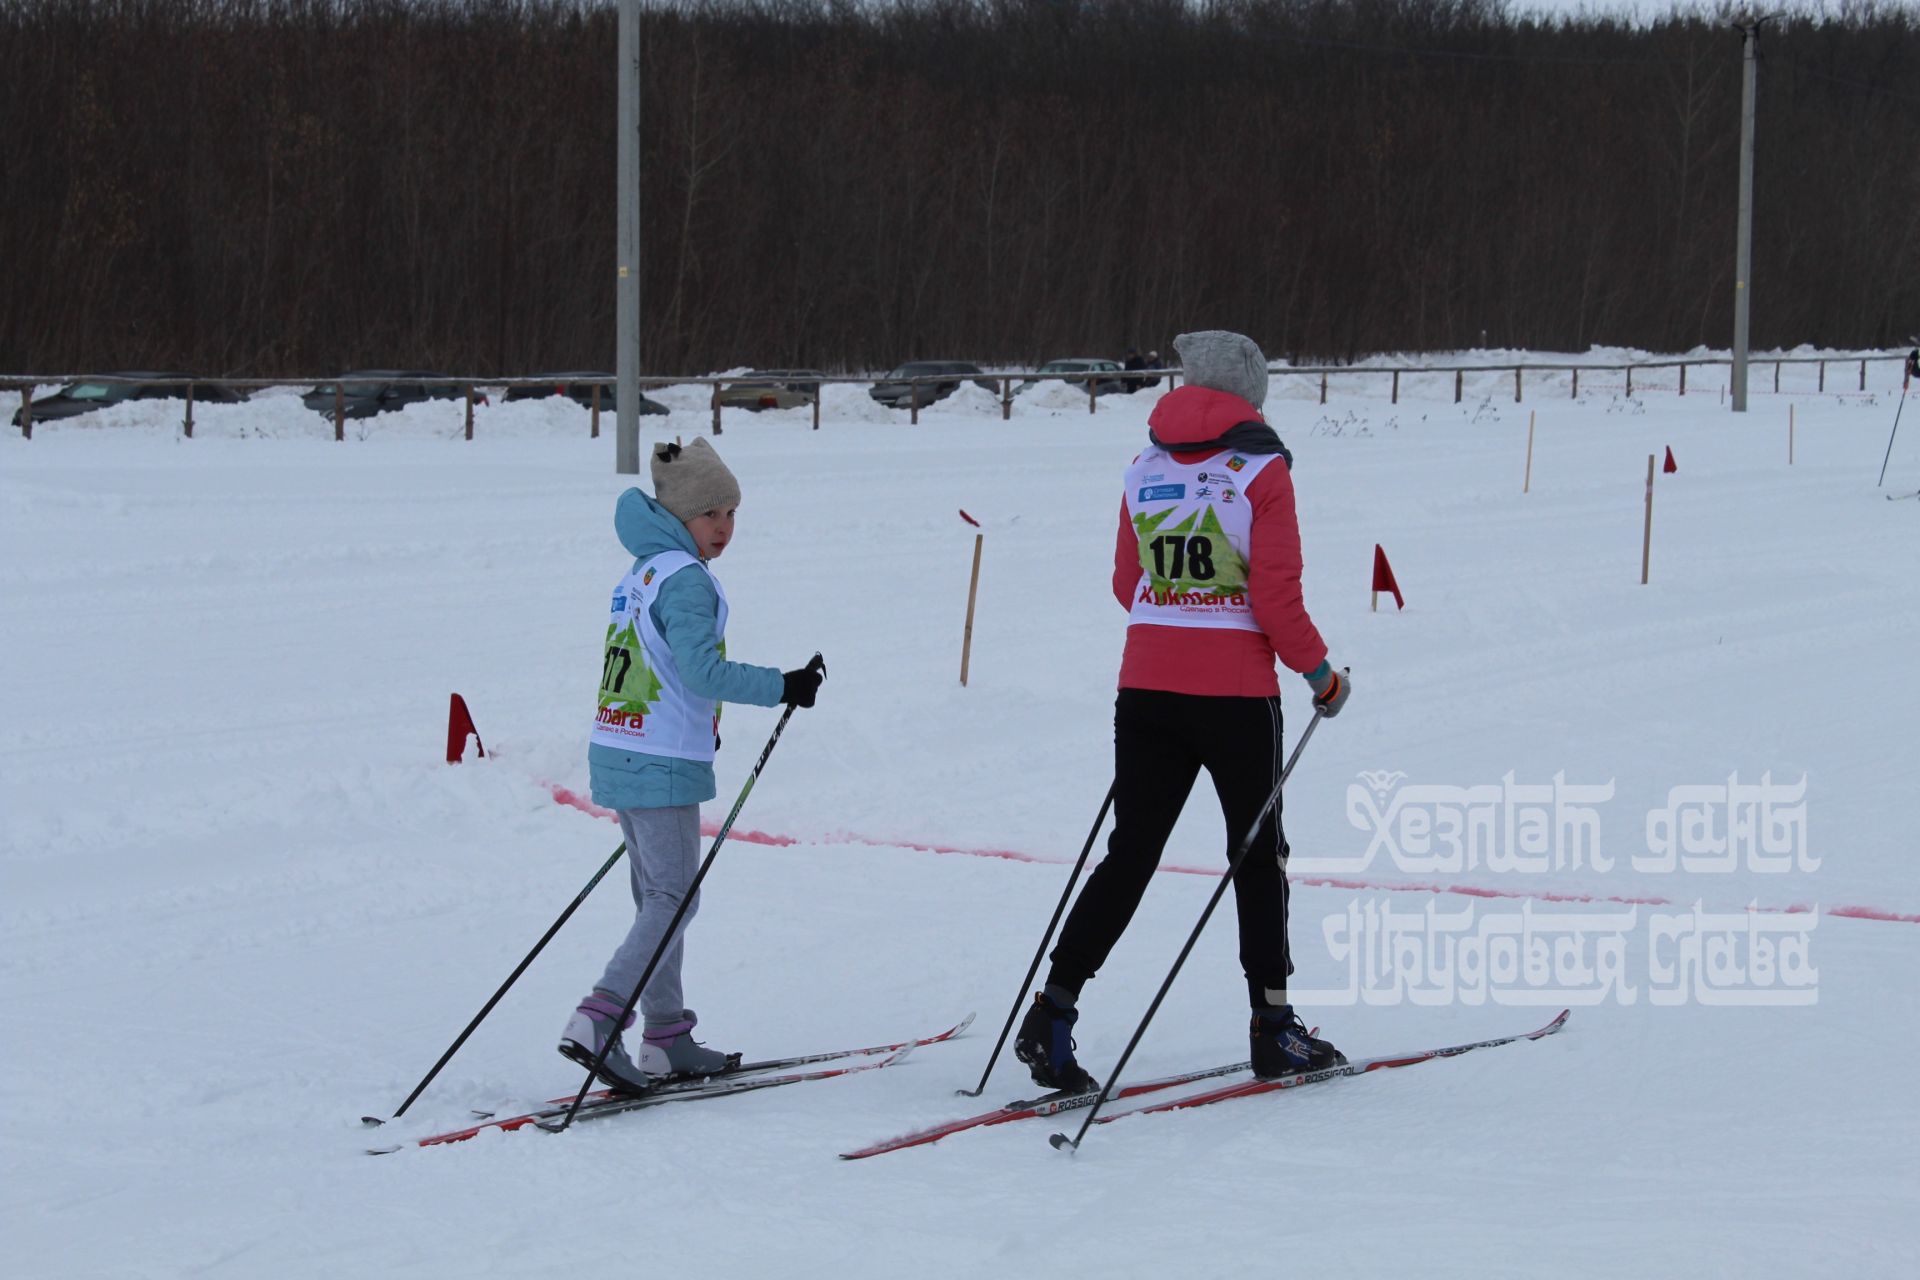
(1283, 1047)
(1045, 1043)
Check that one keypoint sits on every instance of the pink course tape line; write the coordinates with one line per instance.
(574, 800)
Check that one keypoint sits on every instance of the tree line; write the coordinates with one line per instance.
(288, 187)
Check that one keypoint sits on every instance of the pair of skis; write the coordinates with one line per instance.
(748, 1077)
(1243, 1086)
(778, 1072)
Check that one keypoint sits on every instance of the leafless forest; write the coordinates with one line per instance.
(272, 187)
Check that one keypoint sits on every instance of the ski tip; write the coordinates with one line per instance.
(1061, 1142)
(898, 1055)
(960, 1029)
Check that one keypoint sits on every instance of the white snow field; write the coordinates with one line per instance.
(245, 902)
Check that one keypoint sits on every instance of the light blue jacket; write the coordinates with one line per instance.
(685, 612)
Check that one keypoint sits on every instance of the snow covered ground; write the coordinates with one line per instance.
(242, 902)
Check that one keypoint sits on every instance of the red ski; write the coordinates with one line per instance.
(1248, 1088)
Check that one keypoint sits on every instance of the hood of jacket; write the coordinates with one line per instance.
(646, 528)
(1193, 418)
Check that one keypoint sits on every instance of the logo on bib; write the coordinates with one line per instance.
(1162, 492)
(646, 578)
(1236, 462)
(619, 602)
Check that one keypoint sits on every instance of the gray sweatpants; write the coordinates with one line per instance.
(663, 853)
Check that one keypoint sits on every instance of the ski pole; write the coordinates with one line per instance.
(816, 663)
(1061, 1141)
(513, 977)
(1890, 435)
(1019, 997)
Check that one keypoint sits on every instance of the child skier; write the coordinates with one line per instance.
(663, 675)
(1207, 564)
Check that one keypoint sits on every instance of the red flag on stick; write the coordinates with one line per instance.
(1383, 580)
(459, 725)
(1669, 466)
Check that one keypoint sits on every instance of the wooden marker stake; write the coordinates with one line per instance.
(1646, 538)
(973, 589)
(1526, 485)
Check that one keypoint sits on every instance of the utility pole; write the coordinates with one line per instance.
(627, 251)
(1743, 251)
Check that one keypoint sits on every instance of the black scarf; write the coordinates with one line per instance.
(1251, 436)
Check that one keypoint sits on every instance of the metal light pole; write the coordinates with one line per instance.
(1743, 252)
(627, 252)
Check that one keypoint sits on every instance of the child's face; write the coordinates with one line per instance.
(712, 531)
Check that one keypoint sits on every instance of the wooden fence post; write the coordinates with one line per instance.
(1323, 386)
(819, 389)
(189, 410)
(1776, 377)
(1823, 376)
(1629, 372)
(1093, 389)
(593, 428)
(1863, 375)
(716, 408)
(913, 402)
(1516, 384)
(26, 410)
(469, 390)
(339, 411)
(1396, 386)
(1683, 379)
(1006, 399)
(1457, 376)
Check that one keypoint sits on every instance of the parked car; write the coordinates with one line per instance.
(1052, 370)
(897, 393)
(772, 389)
(578, 387)
(371, 391)
(93, 393)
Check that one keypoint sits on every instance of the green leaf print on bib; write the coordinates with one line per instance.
(1194, 555)
(627, 683)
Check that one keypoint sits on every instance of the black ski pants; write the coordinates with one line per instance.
(1161, 741)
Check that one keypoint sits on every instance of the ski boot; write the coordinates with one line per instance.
(1045, 1043)
(1282, 1045)
(590, 1030)
(668, 1052)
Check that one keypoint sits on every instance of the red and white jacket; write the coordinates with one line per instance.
(1219, 662)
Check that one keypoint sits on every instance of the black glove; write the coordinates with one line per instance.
(799, 687)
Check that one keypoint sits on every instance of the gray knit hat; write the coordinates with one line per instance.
(689, 480)
(1225, 361)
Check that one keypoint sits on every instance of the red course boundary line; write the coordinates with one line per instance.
(574, 800)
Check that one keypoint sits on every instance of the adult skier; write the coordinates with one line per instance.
(1207, 564)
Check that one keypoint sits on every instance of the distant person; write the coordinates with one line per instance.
(1133, 364)
(1153, 362)
(1207, 565)
(662, 681)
